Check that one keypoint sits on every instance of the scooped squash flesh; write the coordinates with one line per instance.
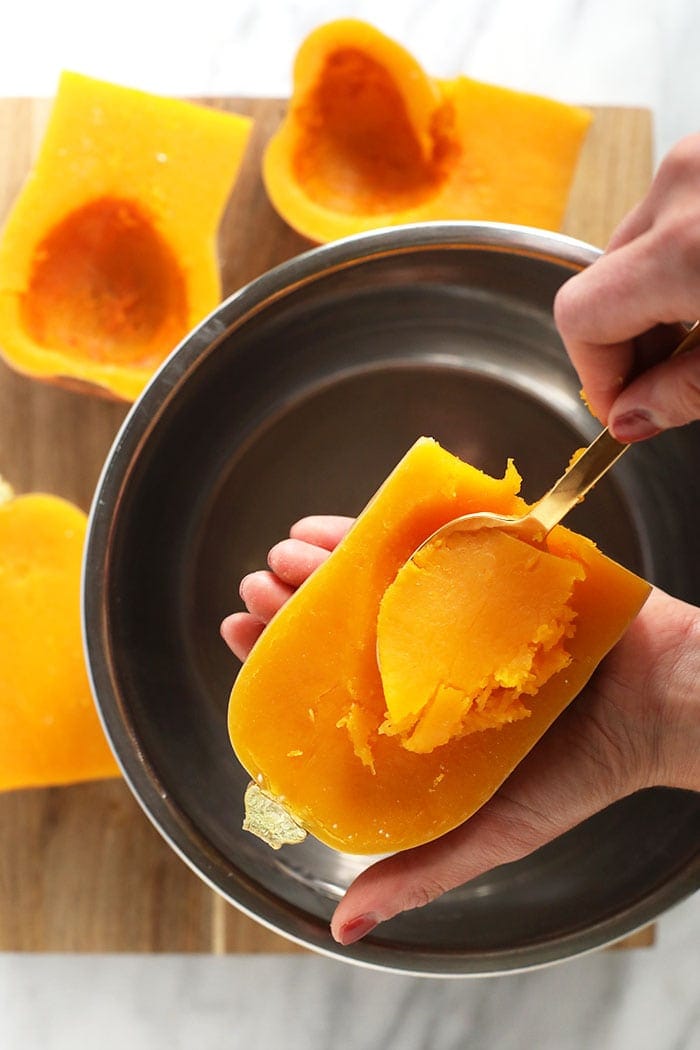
(471, 627)
(50, 733)
(371, 755)
(371, 140)
(109, 256)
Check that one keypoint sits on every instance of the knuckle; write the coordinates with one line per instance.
(673, 392)
(425, 892)
(682, 161)
(680, 236)
(687, 399)
(567, 308)
(678, 247)
(688, 250)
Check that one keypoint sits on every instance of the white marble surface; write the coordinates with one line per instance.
(623, 52)
(643, 1000)
(595, 51)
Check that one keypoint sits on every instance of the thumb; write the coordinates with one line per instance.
(557, 786)
(501, 832)
(667, 395)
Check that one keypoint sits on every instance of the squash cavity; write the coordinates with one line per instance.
(105, 286)
(371, 140)
(357, 150)
(109, 257)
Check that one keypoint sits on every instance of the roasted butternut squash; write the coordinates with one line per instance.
(481, 645)
(49, 730)
(108, 257)
(371, 140)
(469, 629)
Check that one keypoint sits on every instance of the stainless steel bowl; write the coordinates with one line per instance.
(296, 396)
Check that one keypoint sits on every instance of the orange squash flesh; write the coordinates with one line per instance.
(308, 712)
(108, 257)
(49, 730)
(454, 607)
(371, 140)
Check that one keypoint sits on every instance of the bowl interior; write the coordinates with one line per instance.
(300, 402)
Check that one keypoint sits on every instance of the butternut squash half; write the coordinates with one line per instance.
(481, 646)
(49, 730)
(109, 257)
(371, 140)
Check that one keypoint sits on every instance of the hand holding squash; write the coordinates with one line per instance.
(637, 724)
(375, 755)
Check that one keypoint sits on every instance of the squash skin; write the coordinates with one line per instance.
(151, 173)
(50, 733)
(315, 666)
(486, 153)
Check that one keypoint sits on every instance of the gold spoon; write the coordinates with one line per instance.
(572, 486)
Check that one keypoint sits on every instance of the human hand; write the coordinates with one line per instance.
(637, 724)
(310, 542)
(649, 275)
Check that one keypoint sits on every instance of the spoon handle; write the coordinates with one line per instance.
(589, 467)
(578, 479)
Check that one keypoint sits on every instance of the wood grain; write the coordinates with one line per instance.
(81, 868)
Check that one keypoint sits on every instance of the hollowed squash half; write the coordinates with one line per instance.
(371, 140)
(109, 255)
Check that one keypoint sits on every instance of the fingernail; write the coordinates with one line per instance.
(354, 929)
(634, 426)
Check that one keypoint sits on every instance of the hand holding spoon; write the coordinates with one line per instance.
(581, 475)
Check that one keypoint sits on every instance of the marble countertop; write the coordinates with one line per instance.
(642, 1000)
(616, 52)
(591, 51)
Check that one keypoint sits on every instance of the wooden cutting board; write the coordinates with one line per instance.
(82, 868)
